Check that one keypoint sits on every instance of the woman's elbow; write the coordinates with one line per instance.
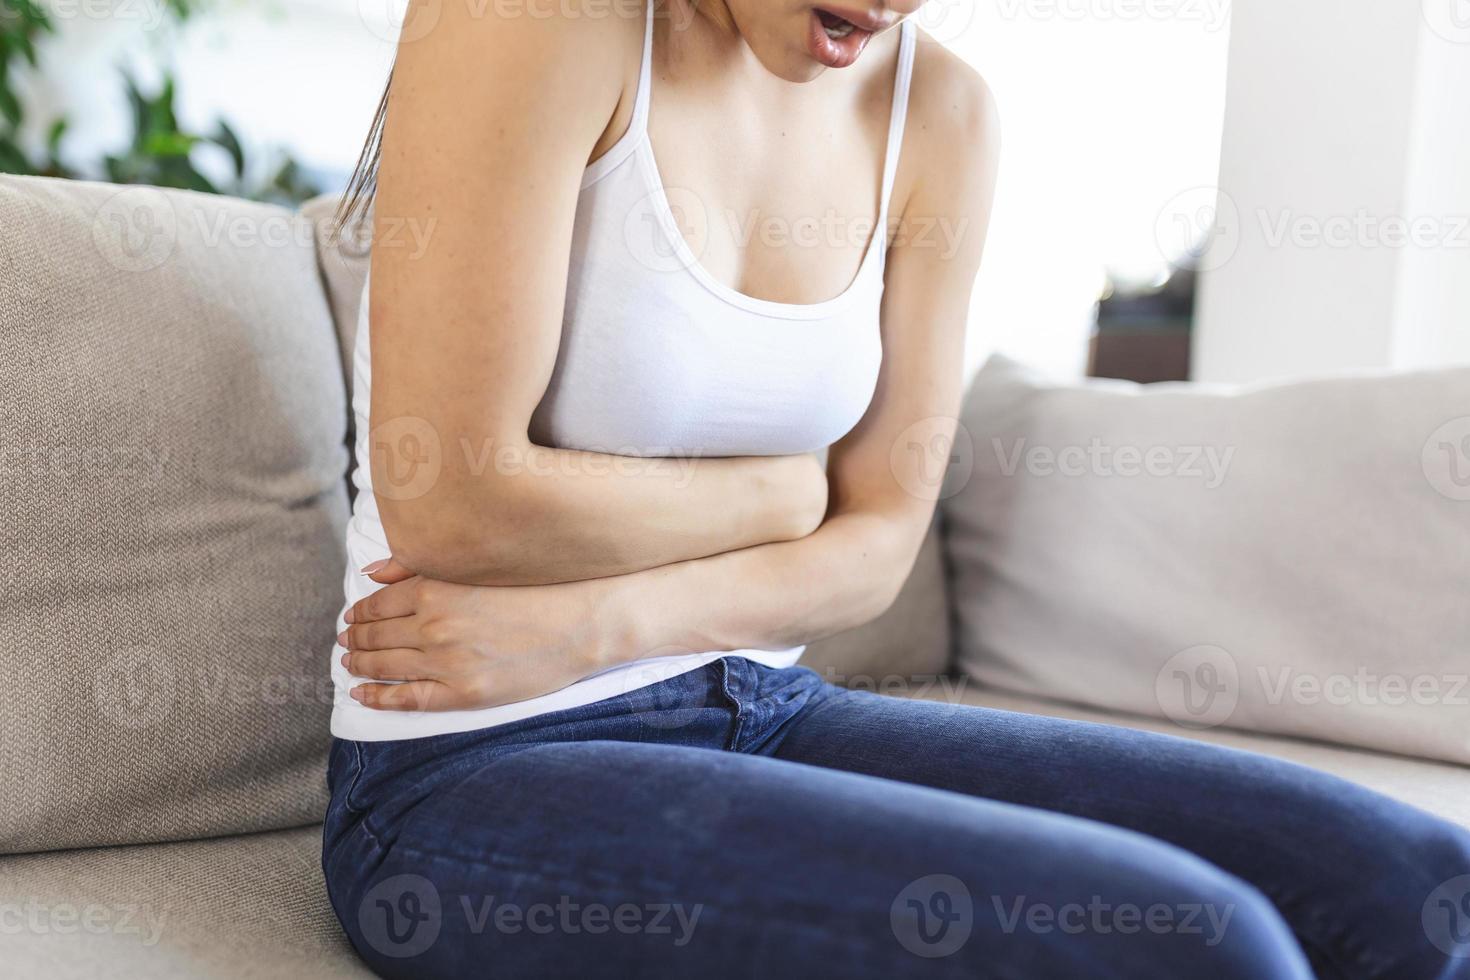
(882, 592)
(440, 538)
(891, 548)
(508, 535)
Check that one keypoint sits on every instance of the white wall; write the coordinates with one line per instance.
(1111, 110)
(1346, 138)
(1433, 315)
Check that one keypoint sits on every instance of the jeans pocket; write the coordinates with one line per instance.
(797, 683)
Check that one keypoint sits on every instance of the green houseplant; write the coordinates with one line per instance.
(160, 152)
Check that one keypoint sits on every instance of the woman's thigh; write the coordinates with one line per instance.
(619, 859)
(1353, 871)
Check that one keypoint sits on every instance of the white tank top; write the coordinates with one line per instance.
(657, 358)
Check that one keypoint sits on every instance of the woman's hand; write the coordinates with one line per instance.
(461, 647)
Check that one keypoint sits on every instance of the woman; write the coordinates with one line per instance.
(671, 254)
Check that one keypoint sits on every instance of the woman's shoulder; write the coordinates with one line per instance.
(949, 99)
(572, 40)
(952, 139)
(524, 67)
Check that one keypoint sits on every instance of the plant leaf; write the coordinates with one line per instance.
(168, 144)
(9, 106)
(227, 138)
(54, 135)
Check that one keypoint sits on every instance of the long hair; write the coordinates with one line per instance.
(363, 184)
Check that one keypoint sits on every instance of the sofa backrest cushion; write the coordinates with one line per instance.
(1290, 558)
(343, 259)
(171, 418)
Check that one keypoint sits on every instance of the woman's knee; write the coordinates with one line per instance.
(1440, 857)
(1112, 903)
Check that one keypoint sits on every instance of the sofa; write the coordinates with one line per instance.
(173, 417)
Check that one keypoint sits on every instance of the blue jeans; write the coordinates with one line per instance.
(740, 821)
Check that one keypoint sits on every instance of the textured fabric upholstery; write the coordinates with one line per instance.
(1288, 558)
(171, 417)
(251, 906)
(343, 260)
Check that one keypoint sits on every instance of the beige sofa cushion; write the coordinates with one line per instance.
(171, 415)
(250, 907)
(1289, 558)
(343, 260)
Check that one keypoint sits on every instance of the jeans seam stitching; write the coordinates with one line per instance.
(737, 729)
(356, 778)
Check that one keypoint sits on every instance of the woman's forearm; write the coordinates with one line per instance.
(773, 596)
(522, 514)
(465, 647)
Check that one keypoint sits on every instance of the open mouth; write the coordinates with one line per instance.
(835, 26)
(834, 40)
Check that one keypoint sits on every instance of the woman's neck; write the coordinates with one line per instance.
(699, 40)
(699, 45)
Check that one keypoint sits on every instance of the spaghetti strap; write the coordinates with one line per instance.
(898, 115)
(639, 122)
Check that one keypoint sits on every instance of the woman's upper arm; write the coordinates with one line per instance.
(892, 462)
(490, 123)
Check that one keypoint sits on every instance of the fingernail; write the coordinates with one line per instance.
(342, 638)
(376, 566)
(356, 693)
(347, 617)
(345, 658)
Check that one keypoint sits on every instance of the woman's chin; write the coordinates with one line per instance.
(814, 53)
(794, 64)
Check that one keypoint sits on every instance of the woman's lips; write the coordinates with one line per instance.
(835, 51)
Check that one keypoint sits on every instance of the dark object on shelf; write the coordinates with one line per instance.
(1143, 335)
